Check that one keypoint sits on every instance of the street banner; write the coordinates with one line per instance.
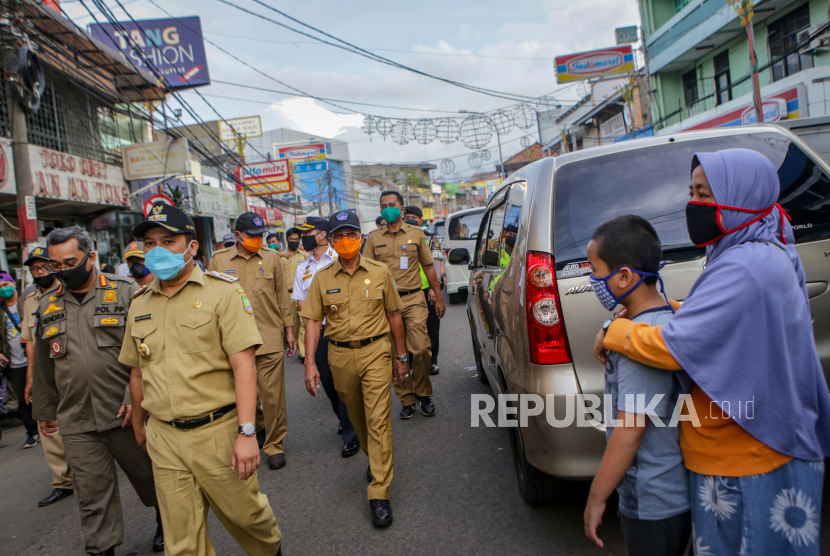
(596, 63)
(172, 47)
(266, 178)
(156, 160)
(789, 104)
(246, 127)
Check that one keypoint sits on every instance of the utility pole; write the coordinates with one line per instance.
(744, 10)
(320, 197)
(331, 195)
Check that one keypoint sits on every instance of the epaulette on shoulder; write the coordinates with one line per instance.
(117, 277)
(139, 291)
(31, 293)
(376, 263)
(223, 250)
(325, 267)
(222, 276)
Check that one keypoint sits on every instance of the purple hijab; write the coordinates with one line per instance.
(745, 331)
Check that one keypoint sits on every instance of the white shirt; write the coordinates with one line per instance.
(306, 271)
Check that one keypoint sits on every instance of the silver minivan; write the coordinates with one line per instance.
(460, 230)
(532, 312)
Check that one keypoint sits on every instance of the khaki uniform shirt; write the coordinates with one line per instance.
(190, 335)
(289, 268)
(262, 278)
(354, 306)
(388, 248)
(29, 316)
(76, 374)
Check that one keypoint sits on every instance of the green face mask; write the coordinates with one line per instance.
(391, 214)
(7, 292)
(274, 246)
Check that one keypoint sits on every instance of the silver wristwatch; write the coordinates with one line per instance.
(403, 358)
(248, 429)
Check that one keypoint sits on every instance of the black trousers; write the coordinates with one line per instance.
(667, 537)
(433, 328)
(321, 359)
(17, 378)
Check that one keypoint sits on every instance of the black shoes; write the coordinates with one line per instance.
(381, 512)
(427, 407)
(260, 438)
(433, 369)
(158, 538)
(369, 476)
(57, 495)
(350, 449)
(408, 411)
(277, 461)
(31, 441)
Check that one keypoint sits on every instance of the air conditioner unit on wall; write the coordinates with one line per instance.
(820, 43)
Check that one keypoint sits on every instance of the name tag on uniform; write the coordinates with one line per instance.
(380, 245)
(143, 317)
(333, 291)
(404, 263)
(232, 271)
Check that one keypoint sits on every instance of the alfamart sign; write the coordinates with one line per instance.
(596, 63)
(59, 175)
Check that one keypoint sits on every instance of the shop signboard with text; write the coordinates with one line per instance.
(266, 178)
(59, 175)
(786, 105)
(248, 128)
(305, 158)
(7, 182)
(156, 160)
(215, 201)
(596, 63)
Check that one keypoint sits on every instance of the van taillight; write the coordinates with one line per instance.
(545, 327)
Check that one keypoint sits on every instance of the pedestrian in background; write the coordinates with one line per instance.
(228, 240)
(259, 271)
(402, 248)
(79, 386)
(52, 445)
(316, 242)
(134, 257)
(272, 241)
(743, 334)
(291, 259)
(357, 298)
(191, 341)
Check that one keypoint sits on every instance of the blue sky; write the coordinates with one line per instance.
(519, 40)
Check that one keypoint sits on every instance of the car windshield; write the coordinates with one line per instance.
(654, 182)
(465, 226)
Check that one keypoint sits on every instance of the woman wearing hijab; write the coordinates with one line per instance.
(743, 345)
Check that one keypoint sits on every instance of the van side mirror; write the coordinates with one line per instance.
(459, 255)
(491, 258)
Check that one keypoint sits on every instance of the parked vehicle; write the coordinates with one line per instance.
(532, 312)
(460, 230)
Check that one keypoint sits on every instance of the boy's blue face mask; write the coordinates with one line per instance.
(606, 296)
(164, 263)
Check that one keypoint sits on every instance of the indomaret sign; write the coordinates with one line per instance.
(59, 175)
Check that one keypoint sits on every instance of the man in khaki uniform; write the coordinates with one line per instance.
(79, 385)
(52, 445)
(291, 259)
(259, 272)
(357, 297)
(403, 248)
(191, 340)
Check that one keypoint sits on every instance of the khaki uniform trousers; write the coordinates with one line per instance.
(193, 473)
(271, 414)
(56, 458)
(362, 379)
(92, 457)
(415, 314)
(299, 327)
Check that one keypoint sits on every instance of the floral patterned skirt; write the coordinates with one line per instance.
(777, 513)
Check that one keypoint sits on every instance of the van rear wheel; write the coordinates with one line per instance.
(536, 488)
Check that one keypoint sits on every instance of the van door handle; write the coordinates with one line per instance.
(815, 289)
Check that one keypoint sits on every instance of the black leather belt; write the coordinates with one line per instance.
(400, 293)
(201, 421)
(357, 344)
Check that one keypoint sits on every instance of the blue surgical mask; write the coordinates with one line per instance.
(164, 263)
(606, 296)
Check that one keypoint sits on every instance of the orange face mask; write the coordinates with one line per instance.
(347, 247)
(252, 244)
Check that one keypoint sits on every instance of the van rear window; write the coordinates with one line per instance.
(465, 227)
(654, 183)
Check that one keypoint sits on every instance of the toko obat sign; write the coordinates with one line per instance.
(172, 47)
(596, 63)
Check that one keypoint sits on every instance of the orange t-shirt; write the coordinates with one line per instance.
(719, 446)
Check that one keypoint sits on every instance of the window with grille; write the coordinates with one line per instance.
(723, 84)
(783, 38)
(690, 88)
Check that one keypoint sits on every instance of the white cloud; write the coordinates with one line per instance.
(304, 114)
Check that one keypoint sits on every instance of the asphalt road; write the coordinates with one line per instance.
(454, 489)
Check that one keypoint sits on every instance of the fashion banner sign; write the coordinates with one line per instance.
(173, 47)
(596, 63)
(266, 178)
(64, 176)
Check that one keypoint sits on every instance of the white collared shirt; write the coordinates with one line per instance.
(306, 271)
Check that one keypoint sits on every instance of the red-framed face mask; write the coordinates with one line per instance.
(703, 221)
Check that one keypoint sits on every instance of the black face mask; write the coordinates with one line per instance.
(510, 241)
(293, 245)
(138, 270)
(702, 223)
(44, 282)
(76, 277)
(310, 242)
(411, 222)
